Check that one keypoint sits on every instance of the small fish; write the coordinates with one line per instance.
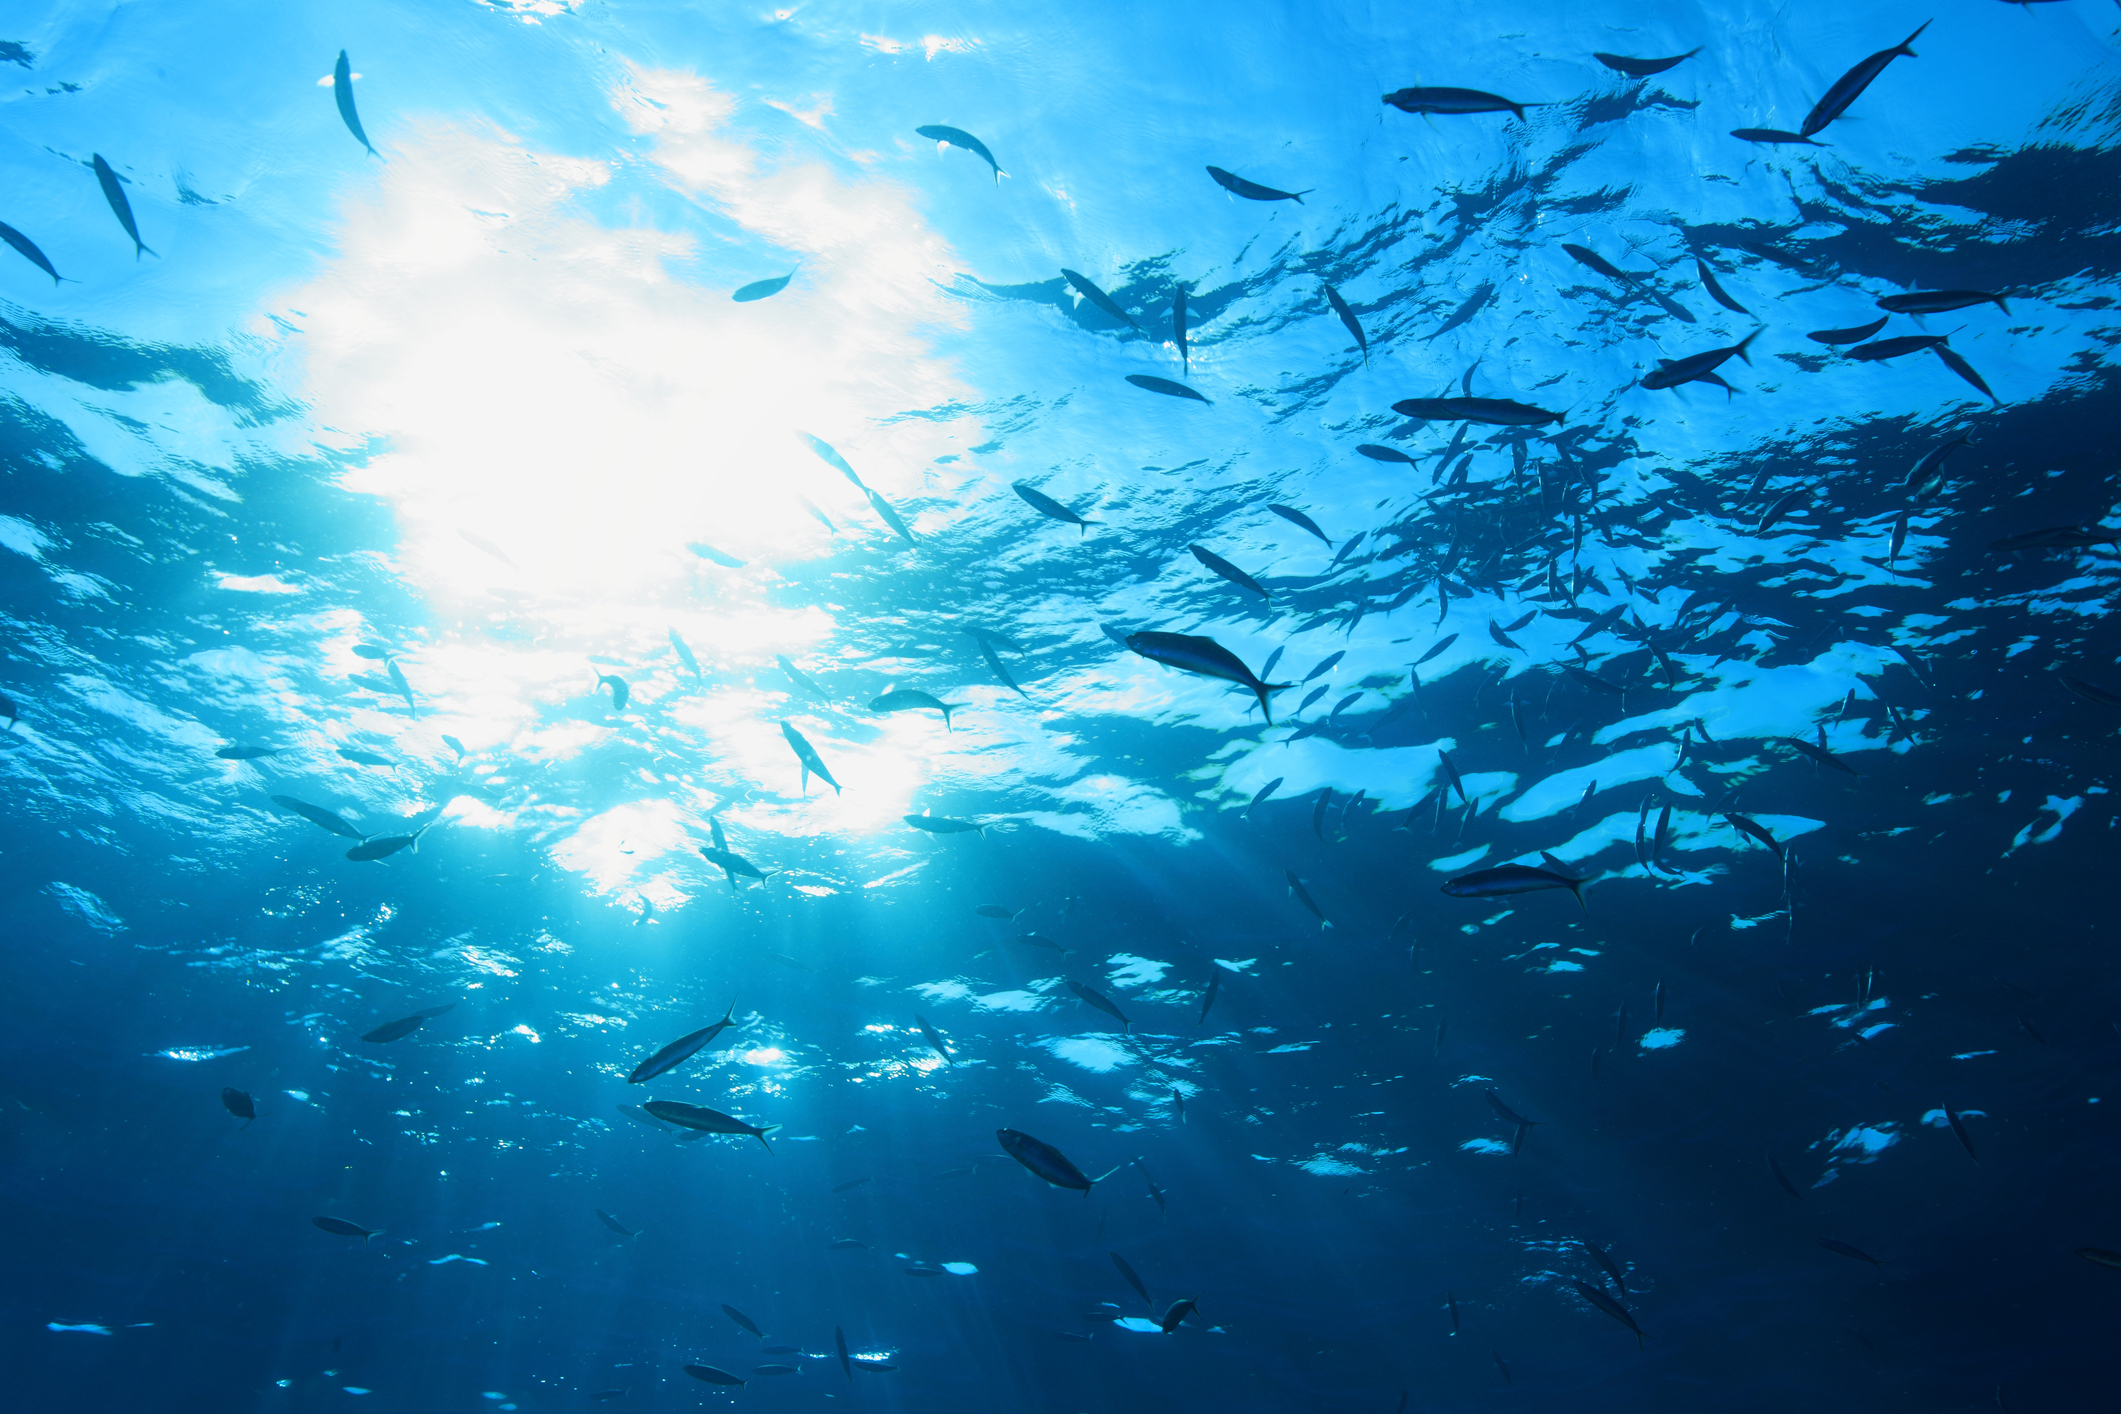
(1313, 695)
(744, 1322)
(384, 846)
(995, 910)
(1223, 567)
(1495, 631)
(339, 1227)
(1746, 825)
(1178, 328)
(1454, 100)
(902, 699)
(1045, 1161)
(944, 136)
(1605, 1261)
(1966, 1141)
(812, 763)
(1716, 291)
(1207, 999)
(731, 865)
(1382, 454)
(1780, 509)
(1046, 506)
(839, 1340)
(849, 1186)
(681, 1050)
(1253, 191)
(1879, 349)
(29, 251)
(1193, 654)
(1176, 1314)
(1154, 1192)
(1133, 1279)
(1847, 1251)
(613, 1223)
(1940, 301)
(318, 815)
(1178, 1100)
(1850, 86)
(1820, 755)
(239, 1104)
(397, 1030)
(2100, 1257)
(708, 1121)
(1303, 896)
(1608, 1305)
(1773, 136)
(761, 289)
(720, 557)
(1671, 373)
(708, 1374)
(1783, 1179)
(1641, 68)
(1502, 1367)
(1164, 385)
(830, 456)
(928, 1033)
(1855, 335)
(342, 93)
(1270, 787)
(1441, 644)
(1957, 363)
(1450, 1299)
(1505, 880)
(1090, 996)
(1037, 940)
(364, 758)
(114, 193)
(1318, 814)
(1354, 325)
(1591, 259)
(245, 753)
(1100, 299)
(1492, 412)
(2090, 692)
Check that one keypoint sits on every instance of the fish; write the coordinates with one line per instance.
(1178, 328)
(364, 758)
(827, 454)
(1850, 86)
(1966, 1141)
(888, 515)
(1495, 631)
(1228, 571)
(1441, 644)
(1784, 1179)
(681, 1050)
(1847, 1251)
(708, 1121)
(1038, 940)
(1495, 1103)
(1716, 291)
(245, 753)
(342, 94)
(1585, 256)
(613, 1223)
(1190, 653)
(945, 136)
(928, 1033)
(1490, 412)
(1046, 506)
(1930, 464)
(1133, 1279)
(987, 651)
(2058, 537)
(839, 1340)
(708, 1374)
(1162, 1206)
(731, 864)
(1746, 825)
(2100, 1257)
(761, 289)
(1471, 306)
(396, 1030)
(318, 815)
(720, 557)
(1347, 318)
(1939, 301)
(1879, 349)
(1820, 755)
(1325, 665)
(1505, 880)
(1090, 996)
(1178, 1100)
(1773, 136)
(239, 1103)
(1957, 363)
(620, 691)
(1608, 1305)
(1313, 695)
(1641, 68)
(1854, 335)
(744, 1322)
(1500, 1365)
(1303, 896)
(384, 846)
(1253, 191)
(1450, 1300)
(1781, 508)
(1671, 373)
(29, 251)
(943, 825)
(1099, 298)
(114, 193)
(2090, 692)
(1164, 385)
(995, 910)
(1207, 999)
(1177, 1312)
(678, 646)
(339, 1227)
(812, 763)
(1454, 100)
(1605, 1260)
(1045, 1161)
(1381, 454)
(1600, 624)
(904, 699)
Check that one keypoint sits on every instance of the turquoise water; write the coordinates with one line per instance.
(427, 567)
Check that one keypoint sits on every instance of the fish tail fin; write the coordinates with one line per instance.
(1904, 47)
(765, 1130)
(1103, 1176)
(140, 245)
(998, 175)
(1298, 196)
(948, 708)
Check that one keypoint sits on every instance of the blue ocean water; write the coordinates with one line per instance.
(440, 504)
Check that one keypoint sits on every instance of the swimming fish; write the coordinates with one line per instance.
(945, 136)
(1177, 1313)
(1584, 255)
(1453, 100)
(943, 825)
(708, 1374)
(1190, 653)
(1227, 570)
(1820, 755)
(1966, 1140)
(1133, 1279)
(29, 251)
(1931, 463)
(1641, 68)
(761, 289)
(1046, 1161)
(986, 650)
(342, 93)
(1298, 518)
(1608, 1305)
(384, 846)
(1879, 349)
(1854, 335)
(1046, 506)
(1303, 896)
(1670, 373)
(1347, 317)
(928, 1033)
(744, 1322)
(245, 753)
(1939, 301)
(839, 1339)
(1783, 1179)
(720, 557)
(1039, 940)
(1850, 86)
(1773, 136)
(318, 815)
(1325, 665)
(1090, 996)
(2090, 692)
(1492, 412)
(613, 1223)
(1207, 998)
(1099, 298)
(813, 764)
(1506, 879)
(1605, 1260)
(1746, 825)
(2100, 1257)
(678, 645)
(1957, 363)
(364, 758)
(1441, 644)
(1253, 191)
(681, 1050)
(1853, 1252)
(239, 1104)
(731, 865)
(831, 457)
(1165, 386)
(619, 691)
(906, 699)
(405, 1025)
(1471, 306)
(889, 515)
(1178, 328)
(1716, 290)
(339, 1227)
(708, 1121)
(114, 193)
(1377, 453)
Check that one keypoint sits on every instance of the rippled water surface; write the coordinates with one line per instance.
(661, 539)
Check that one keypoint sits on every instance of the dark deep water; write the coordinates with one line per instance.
(470, 405)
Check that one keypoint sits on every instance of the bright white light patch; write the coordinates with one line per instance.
(1011, 1001)
(1092, 1053)
(86, 1328)
(1138, 1323)
(1485, 1146)
(1663, 1038)
(960, 1269)
(1131, 971)
(199, 1053)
